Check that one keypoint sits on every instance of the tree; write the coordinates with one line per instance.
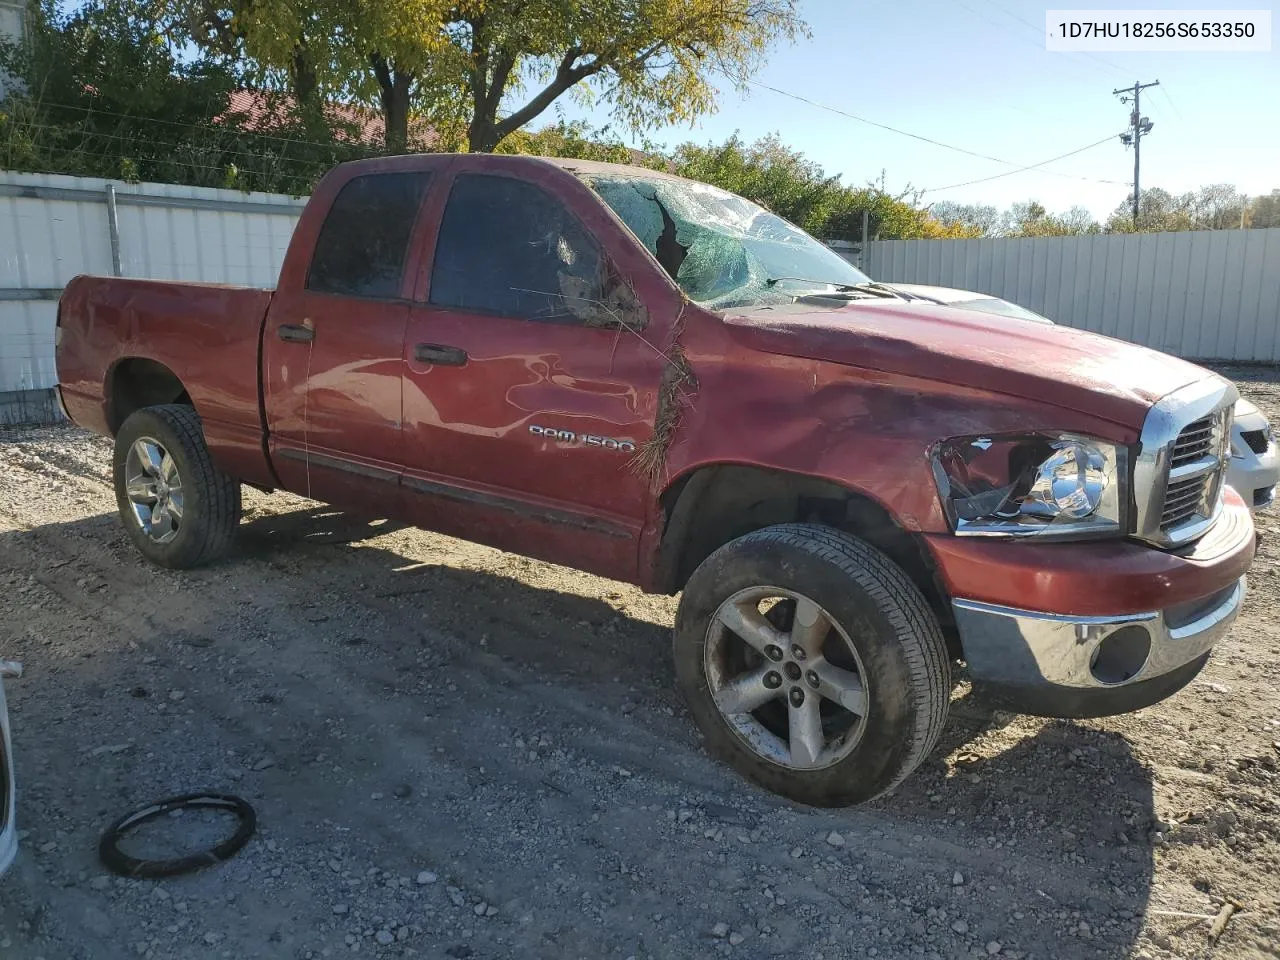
(796, 188)
(981, 219)
(1219, 206)
(480, 70)
(1032, 219)
(105, 94)
(651, 61)
(1264, 211)
(768, 172)
(375, 54)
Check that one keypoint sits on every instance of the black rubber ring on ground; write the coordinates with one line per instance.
(120, 862)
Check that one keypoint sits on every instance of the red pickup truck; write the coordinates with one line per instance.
(660, 382)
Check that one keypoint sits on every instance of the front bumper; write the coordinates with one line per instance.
(1064, 666)
(1095, 628)
(1254, 476)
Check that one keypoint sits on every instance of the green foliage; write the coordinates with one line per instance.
(796, 188)
(479, 70)
(1218, 206)
(106, 95)
(1031, 219)
(1264, 211)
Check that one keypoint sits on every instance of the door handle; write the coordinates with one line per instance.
(295, 333)
(440, 354)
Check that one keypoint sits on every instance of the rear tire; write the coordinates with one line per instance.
(761, 613)
(179, 510)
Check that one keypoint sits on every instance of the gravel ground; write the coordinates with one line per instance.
(456, 752)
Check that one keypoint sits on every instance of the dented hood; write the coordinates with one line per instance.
(1069, 368)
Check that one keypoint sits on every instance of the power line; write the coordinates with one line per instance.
(1033, 166)
(873, 123)
(1164, 91)
(1040, 31)
(915, 136)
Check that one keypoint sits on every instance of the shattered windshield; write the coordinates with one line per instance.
(722, 250)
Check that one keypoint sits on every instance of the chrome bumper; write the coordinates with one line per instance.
(1061, 665)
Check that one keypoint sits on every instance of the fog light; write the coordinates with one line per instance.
(1120, 655)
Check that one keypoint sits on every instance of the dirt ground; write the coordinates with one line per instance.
(455, 752)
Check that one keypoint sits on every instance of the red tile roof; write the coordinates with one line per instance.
(355, 123)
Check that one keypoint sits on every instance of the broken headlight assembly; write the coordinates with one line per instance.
(1041, 485)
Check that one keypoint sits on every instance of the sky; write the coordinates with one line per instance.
(975, 74)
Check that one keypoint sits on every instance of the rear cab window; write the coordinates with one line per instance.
(364, 241)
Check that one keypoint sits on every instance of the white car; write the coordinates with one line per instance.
(1254, 469)
(8, 829)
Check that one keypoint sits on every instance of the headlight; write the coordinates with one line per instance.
(1033, 485)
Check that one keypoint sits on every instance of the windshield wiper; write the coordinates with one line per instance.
(841, 287)
(882, 290)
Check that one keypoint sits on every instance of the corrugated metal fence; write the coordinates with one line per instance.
(53, 228)
(1203, 295)
(1206, 295)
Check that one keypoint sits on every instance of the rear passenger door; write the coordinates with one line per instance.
(333, 342)
(524, 404)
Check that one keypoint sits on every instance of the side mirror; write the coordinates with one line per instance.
(606, 301)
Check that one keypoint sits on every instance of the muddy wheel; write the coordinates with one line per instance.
(178, 509)
(812, 664)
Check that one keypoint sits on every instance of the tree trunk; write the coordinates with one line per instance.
(482, 134)
(393, 91)
(306, 96)
(395, 115)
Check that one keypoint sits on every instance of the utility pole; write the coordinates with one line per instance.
(1139, 126)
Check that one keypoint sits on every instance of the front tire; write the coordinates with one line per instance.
(812, 664)
(179, 510)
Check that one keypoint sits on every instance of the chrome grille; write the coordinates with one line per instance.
(1197, 462)
(1193, 442)
(1178, 475)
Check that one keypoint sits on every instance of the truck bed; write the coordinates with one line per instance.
(205, 337)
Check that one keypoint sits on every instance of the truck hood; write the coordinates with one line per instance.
(1061, 366)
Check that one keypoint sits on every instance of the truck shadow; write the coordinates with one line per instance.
(1060, 812)
(1049, 821)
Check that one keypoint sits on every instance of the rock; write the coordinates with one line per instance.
(100, 883)
(957, 879)
(993, 947)
(176, 695)
(385, 937)
(796, 853)
(835, 839)
(403, 791)
(720, 931)
(455, 895)
(736, 938)
(491, 911)
(339, 908)
(480, 908)
(960, 926)
(264, 764)
(403, 934)
(49, 847)
(425, 877)
(211, 938)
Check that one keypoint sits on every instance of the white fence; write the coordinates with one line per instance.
(1206, 295)
(53, 228)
